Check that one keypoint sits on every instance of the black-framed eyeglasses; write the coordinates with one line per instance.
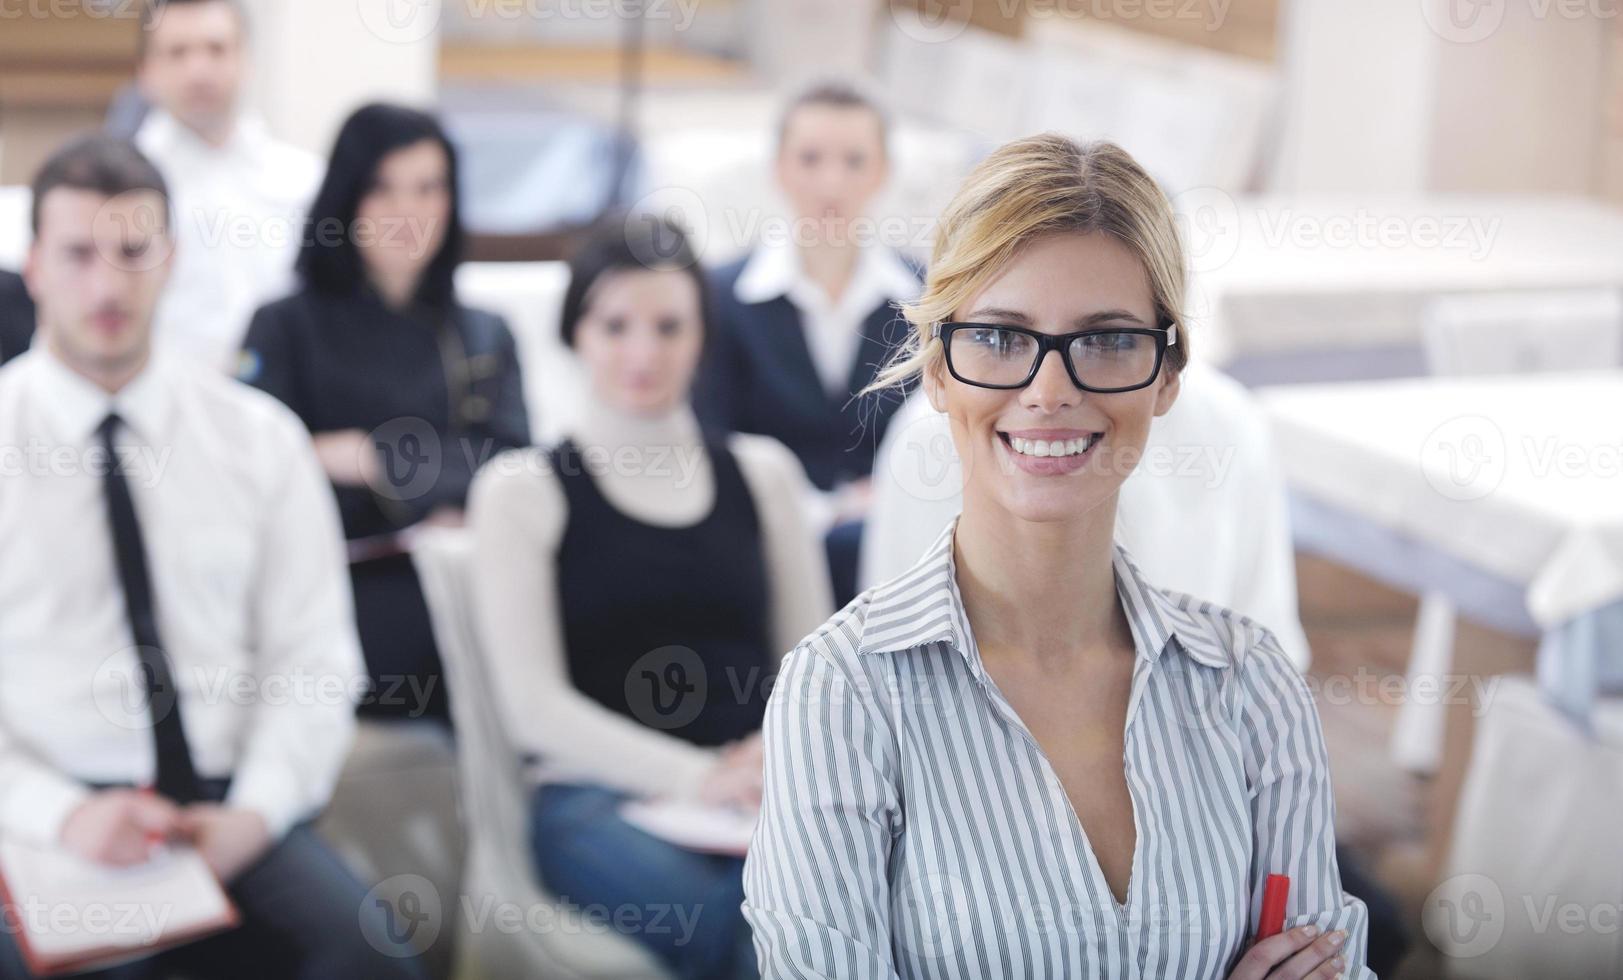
(1105, 360)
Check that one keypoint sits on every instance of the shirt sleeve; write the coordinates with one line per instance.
(307, 654)
(268, 362)
(35, 799)
(1292, 808)
(816, 889)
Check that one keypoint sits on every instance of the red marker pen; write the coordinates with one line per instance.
(154, 838)
(1274, 893)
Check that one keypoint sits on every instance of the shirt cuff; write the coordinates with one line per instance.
(38, 804)
(272, 793)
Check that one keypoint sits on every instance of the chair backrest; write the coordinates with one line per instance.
(14, 233)
(1524, 332)
(490, 769)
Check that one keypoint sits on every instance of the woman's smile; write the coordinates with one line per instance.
(1049, 452)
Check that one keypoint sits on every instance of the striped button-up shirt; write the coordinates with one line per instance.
(912, 828)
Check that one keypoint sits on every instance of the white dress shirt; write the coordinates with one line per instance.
(250, 585)
(239, 211)
(833, 327)
(1205, 512)
(911, 826)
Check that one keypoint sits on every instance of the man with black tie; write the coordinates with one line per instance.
(16, 316)
(177, 655)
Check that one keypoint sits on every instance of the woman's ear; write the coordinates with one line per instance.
(1171, 384)
(934, 388)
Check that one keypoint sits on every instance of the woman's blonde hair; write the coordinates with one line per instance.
(1025, 189)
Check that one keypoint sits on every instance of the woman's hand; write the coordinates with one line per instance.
(1294, 954)
(347, 456)
(737, 777)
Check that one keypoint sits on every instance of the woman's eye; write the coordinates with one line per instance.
(615, 326)
(1108, 342)
(669, 327)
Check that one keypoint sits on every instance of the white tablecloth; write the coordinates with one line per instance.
(1516, 480)
(1276, 276)
(1521, 476)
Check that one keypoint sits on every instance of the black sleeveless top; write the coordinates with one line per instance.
(667, 625)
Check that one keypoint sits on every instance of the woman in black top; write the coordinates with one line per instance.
(636, 587)
(404, 390)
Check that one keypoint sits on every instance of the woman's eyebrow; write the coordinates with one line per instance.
(1081, 323)
(1107, 316)
(999, 313)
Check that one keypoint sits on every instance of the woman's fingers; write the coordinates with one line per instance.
(1331, 969)
(1274, 957)
(1322, 958)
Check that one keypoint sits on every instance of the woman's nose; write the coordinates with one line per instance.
(1052, 388)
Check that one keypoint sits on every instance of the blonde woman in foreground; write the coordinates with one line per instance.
(1020, 759)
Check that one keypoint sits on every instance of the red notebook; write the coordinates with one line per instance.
(71, 915)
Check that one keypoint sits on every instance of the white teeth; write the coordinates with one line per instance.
(1045, 447)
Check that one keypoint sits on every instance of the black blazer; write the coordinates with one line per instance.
(758, 376)
(349, 362)
(16, 316)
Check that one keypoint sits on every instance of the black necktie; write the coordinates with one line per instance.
(176, 779)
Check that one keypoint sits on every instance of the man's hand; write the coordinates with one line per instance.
(229, 839)
(348, 457)
(119, 826)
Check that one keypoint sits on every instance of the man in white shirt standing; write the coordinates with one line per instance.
(240, 195)
(177, 654)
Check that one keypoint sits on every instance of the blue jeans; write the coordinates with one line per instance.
(682, 906)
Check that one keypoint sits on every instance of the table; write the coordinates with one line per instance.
(1504, 492)
(1327, 288)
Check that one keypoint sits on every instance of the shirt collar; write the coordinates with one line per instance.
(773, 270)
(924, 606)
(163, 134)
(77, 406)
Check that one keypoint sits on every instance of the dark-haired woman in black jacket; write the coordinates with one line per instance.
(405, 391)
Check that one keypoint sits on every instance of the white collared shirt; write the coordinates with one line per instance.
(247, 564)
(239, 211)
(833, 327)
(912, 827)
